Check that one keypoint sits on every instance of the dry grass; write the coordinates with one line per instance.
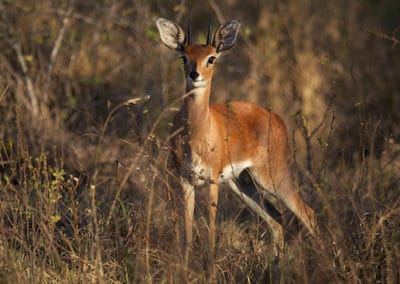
(86, 95)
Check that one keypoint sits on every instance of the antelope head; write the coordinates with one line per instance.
(198, 59)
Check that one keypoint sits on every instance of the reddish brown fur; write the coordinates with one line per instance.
(213, 144)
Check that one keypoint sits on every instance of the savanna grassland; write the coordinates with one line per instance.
(87, 94)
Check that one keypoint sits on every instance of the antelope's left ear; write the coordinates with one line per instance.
(226, 35)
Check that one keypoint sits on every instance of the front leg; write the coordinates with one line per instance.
(188, 200)
(212, 211)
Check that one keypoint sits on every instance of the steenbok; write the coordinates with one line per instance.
(212, 145)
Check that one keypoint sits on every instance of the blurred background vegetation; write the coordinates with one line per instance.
(87, 93)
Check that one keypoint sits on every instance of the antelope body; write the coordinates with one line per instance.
(212, 145)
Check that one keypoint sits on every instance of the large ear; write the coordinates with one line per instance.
(226, 35)
(171, 34)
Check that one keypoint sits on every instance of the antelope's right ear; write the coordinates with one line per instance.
(171, 34)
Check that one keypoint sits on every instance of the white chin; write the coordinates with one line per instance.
(196, 84)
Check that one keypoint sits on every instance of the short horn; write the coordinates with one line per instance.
(209, 33)
(189, 31)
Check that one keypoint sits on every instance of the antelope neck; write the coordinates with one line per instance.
(197, 110)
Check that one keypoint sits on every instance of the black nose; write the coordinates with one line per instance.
(193, 75)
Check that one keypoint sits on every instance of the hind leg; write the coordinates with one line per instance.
(282, 188)
(276, 228)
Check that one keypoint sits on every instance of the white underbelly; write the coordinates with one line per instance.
(202, 173)
(233, 171)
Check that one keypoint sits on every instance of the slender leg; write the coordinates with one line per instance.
(189, 196)
(276, 228)
(212, 211)
(282, 189)
(299, 208)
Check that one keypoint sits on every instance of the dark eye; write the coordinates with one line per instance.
(211, 60)
(184, 60)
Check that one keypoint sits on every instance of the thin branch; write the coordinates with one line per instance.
(27, 77)
(58, 41)
(3, 94)
(217, 10)
(393, 39)
(182, 10)
(17, 48)
(327, 112)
